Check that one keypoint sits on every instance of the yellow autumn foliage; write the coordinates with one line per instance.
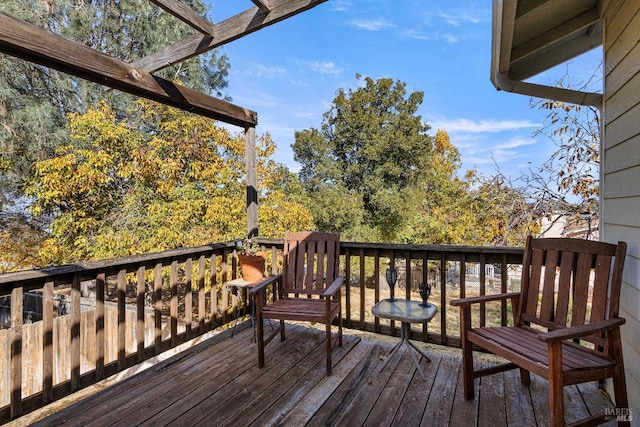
(157, 179)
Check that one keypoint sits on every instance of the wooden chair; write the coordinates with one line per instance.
(566, 325)
(308, 289)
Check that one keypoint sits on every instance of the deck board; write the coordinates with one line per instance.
(217, 382)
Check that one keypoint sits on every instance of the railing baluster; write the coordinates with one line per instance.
(443, 298)
(425, 279)
(363, 289)
(157, 307)
(188, 298)
(213, 292)
(140, 297)
(122, 319)
(75, 331)
(376, 286)
(201, 295)
(47, 342)
(408, 279)
(392, 323)
(504, 278)
(347, 272)
(483, 290)
(225, 295)
(15, 340)
(101, 280)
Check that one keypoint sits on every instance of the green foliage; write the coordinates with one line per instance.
(362, 166)
(130, 190)
(373, 173)
(35, 101)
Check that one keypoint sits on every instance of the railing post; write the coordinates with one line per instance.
(15, 377)
(252, 181)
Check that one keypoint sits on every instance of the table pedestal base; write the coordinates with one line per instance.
(411, 348)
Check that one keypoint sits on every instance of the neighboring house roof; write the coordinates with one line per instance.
(532, 36)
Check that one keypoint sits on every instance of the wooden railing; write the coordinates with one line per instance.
(89, 321)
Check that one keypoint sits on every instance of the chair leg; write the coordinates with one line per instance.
(525, 377)
(328, 337)
(340, 330)
(556, 386)
(467, 370)
(620, 393)
(282, 333)
(260, 326)
(619, 380)
(467, 353)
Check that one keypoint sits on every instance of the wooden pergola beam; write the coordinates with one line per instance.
(26, 41)
(262, 4)
(233, 28)
(186, 15)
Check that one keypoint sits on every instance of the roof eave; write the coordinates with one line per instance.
(502, 74)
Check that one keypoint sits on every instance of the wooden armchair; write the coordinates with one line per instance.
(308, 289)
(566, 325)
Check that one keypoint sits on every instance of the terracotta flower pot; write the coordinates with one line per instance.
(252, 267)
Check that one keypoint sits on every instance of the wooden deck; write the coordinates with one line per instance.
(218, 383)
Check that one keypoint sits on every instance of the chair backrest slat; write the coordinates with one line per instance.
(311, 262)
(570, 282)
(564, 288)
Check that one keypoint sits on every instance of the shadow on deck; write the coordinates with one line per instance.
(217, 382)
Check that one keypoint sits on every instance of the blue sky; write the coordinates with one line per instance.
(289, 73)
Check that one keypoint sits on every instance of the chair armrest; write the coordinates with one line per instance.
(581, 330)
(461, 302)
(334, 287)
(266, 282)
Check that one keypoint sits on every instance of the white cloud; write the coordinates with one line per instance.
(371, 24)
(460, 17)
(458, 20)
(514, 143)
(481, 126)
(415, 34)
(265, 71)
(325, 68)
(450, 38)
(339, 6)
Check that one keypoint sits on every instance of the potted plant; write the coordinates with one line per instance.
(251, 258)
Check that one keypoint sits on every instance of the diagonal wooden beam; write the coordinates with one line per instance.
(262, 4)
(26, 41)
(186, 15)
(228, 30)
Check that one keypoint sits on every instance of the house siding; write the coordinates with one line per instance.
(620, 169)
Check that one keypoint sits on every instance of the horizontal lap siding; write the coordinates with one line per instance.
(621, 169)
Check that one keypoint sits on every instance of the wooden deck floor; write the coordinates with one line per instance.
(218, 383)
